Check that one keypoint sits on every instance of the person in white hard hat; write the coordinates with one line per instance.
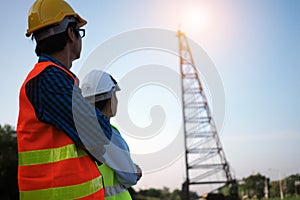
(119, 171)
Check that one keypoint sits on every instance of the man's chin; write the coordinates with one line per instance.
(77, 57)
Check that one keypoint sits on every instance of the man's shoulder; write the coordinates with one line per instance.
(52, 71)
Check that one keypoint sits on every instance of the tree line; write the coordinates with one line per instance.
(260, 187)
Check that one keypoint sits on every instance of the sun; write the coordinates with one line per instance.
(195, 19)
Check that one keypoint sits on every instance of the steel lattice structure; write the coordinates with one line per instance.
(205, 160)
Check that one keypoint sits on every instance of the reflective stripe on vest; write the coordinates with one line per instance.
(67, 192)
(49, 155)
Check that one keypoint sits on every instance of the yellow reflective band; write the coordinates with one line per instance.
(67, 192)
(49, 155)
(113, 126)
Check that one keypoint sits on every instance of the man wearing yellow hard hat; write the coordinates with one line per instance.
(60, 134)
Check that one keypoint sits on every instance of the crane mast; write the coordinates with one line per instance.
(205, 161)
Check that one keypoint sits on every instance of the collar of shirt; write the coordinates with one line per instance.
(46, 58)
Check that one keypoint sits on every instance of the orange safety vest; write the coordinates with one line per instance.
(51, 166)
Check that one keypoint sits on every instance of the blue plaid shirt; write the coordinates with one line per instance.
(58, 101)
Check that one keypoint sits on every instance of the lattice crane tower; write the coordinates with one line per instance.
(206, 165)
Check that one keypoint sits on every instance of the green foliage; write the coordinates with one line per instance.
(275, 189)
(8, 149)
(230, 191)
(291, 187)
(292, 184)
(287, 198)
(254, 185)
(8, 162)
(175, 195)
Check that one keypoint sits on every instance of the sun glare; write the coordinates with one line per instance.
(195, 19)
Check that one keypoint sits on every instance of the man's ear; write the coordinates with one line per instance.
(71, 34)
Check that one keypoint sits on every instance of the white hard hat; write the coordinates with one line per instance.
(98, 85)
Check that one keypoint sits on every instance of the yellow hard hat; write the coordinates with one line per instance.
(47, 12)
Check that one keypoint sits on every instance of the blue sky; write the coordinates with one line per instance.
(254, 45)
